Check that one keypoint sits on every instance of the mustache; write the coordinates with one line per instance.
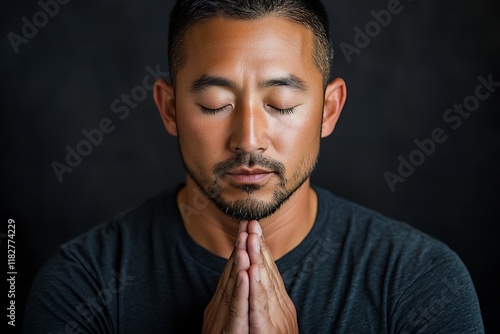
(249, 160)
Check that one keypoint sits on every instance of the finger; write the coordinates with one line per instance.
(268, 275)
(268, 296)
(271, 265)
(269, 309)
(237, 321)
(254, 249)
(221, 284)
(254, 227)
(224, 296)
(285, 301)
(238, 261)
(259, 314)
(254, 243)
(271, 280)
(243, 227)
(241, 241)
(260, 254)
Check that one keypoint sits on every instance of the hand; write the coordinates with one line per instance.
(228, 310)
(250, 296)
(271, 310)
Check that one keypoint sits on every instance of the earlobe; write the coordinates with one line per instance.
(165, 101)
(335, 97)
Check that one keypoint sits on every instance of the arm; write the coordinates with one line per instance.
(68, 297)
(441, 299)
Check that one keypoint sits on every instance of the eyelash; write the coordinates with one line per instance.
(211, 111)
(288, 111)
(208, 111)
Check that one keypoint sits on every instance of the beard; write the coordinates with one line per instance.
(251, 208)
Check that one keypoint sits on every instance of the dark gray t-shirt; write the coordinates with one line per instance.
(355, 272)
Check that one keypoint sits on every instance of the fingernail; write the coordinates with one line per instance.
(259, 230)
(237, 240)
(238, 281)
(256, 275)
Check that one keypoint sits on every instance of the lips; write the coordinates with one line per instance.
(246, 171)
(249, 175)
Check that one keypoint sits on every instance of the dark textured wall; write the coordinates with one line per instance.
(69, 76)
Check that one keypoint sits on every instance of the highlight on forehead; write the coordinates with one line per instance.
(308, 13)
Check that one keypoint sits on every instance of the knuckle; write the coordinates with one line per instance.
(225, 298)
(261, 293)
(221, 284)
(221, 288)
(233, 312)
(264, 308)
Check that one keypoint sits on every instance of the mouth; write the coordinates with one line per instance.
(244, 175)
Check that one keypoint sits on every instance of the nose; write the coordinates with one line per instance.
(250, 129)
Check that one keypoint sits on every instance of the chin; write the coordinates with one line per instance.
(251, 206)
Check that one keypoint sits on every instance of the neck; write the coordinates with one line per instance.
(216, 232)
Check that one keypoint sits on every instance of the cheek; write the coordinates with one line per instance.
(196, 132)
(200, 140)
(297, 137)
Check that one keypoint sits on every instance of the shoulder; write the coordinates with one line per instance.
(120, 244)
(363, 226)
(127, 228)
(423, 281)
(81, 283)
(387, 249)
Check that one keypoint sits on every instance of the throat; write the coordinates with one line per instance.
(211, 229)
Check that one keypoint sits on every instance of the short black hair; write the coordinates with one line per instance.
(309, 13)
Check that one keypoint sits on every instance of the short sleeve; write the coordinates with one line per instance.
(441, 299)
(67, 296)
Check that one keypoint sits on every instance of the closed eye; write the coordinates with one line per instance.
(209, 111)
(287, 111)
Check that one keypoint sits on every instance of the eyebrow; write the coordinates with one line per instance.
(286, 81)
(207, 81)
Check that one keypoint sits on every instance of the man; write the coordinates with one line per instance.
(247, 245)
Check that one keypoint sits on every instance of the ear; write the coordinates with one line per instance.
(165, 101)
(335, 97)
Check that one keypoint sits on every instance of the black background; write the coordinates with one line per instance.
(399, 86)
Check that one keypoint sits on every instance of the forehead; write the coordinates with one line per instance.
(249, 47)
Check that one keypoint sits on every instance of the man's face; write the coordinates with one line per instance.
(249, 102)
